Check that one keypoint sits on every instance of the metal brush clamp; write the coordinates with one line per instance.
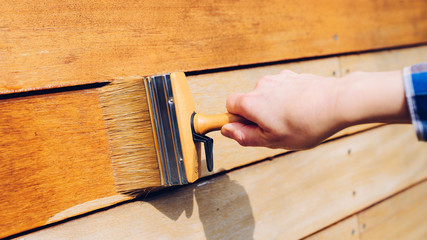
(208, 143)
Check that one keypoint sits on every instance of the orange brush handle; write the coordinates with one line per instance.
(207, 123)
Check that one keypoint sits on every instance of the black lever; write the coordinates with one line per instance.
(208, 143)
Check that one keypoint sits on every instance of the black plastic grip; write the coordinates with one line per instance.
(208, 144)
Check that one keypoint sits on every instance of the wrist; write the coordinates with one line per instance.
(372, 97)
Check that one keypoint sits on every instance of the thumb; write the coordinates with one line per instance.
(245, 135)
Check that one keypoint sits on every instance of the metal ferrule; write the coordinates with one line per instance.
(165, 130)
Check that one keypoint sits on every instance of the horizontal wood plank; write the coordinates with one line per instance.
(388, 60)
(403, 216)
(288, 197)
(67, 42)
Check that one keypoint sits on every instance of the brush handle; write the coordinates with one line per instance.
(206, 123)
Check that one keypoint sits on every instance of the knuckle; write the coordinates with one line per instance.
(232, 101)
(287, 72)
(264, 80)
(245, 102)
(267, 81)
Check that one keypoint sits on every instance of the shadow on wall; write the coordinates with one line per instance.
(223, 207)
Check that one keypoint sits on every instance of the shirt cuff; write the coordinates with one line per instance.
(415, 83)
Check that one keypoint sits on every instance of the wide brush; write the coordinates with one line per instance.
(155, 133)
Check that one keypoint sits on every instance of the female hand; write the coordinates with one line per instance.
(298, 111)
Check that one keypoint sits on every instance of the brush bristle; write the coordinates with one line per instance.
(129, 129)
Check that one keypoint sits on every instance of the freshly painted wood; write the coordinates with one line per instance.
(347, 229)
(67, 42)
(403, 216)
(289, 197)
(54, 155)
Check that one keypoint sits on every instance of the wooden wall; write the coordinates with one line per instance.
(55, 159)
(289, 196)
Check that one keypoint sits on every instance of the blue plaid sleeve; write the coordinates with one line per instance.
(415, 81)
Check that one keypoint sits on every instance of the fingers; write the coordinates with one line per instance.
(233, 102)
(245, 135)
(241, 104)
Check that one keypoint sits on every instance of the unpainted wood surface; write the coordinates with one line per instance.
(68, 42)
(78, 119)
(346, 229)
(403, 216)
(387, 60)
(54, 155)
(288, 197)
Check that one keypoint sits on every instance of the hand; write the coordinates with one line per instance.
(298, 111)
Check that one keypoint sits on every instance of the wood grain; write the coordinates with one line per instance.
(288, 197)
(403, 216)
(68, 42)
(54, 155)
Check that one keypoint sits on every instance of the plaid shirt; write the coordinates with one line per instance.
(415, 80)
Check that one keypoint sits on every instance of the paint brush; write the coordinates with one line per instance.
(155, 133)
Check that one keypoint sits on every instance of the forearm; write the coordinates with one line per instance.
(298, 111)
(372, 97)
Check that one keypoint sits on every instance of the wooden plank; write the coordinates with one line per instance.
(403, 216)
(65, 43)
(383, 61)
(345, 229)
(288, 197)
(54, 155)
(209, 92)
